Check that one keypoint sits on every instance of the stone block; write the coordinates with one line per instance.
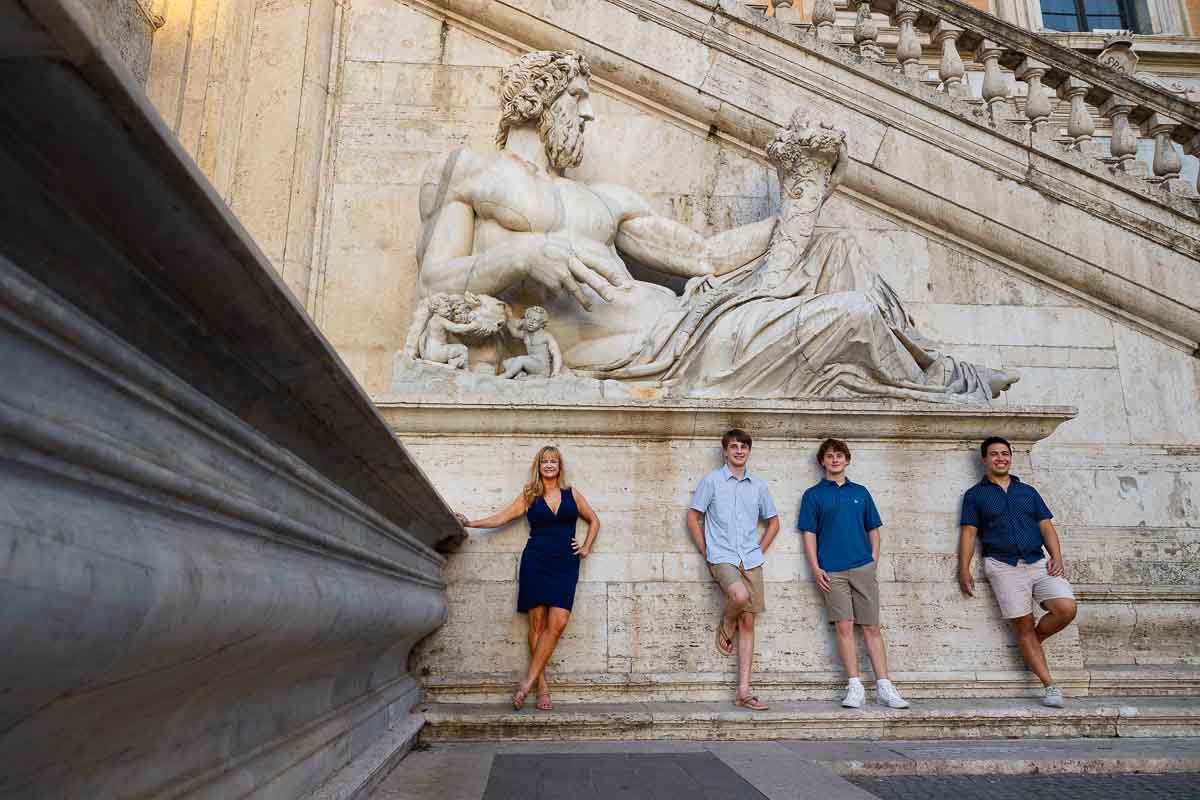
(1013, 325)
(386, 30)
(1122, 497)
(1096, 392)
(1162, 384)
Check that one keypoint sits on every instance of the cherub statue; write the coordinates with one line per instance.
(542, 356)
(468, 315)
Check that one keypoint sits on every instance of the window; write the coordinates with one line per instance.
(1086, 15)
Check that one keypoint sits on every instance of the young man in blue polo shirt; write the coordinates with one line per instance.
(840, 526)
(723, 522)
(1013, 523)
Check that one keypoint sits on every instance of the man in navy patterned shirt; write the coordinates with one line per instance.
(1013, 525)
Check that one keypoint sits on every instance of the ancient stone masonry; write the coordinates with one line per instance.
(666, 243)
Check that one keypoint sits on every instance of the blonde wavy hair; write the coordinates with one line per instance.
(529, 85)
(534, 489)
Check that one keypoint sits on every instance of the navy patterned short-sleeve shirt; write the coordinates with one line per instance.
(1007, 521)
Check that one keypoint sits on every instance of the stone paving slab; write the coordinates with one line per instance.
(615, 776)
(1177, 786)
(789, 769)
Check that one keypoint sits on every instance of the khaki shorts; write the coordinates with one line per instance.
(1016, 588)
(855, 595)
(752, 579)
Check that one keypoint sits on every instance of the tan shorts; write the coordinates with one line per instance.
(855, 595)
(752, 579)
(1016, 588)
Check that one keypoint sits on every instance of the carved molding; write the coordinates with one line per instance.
(768, 419)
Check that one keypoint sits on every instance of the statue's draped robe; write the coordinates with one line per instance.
(828, 327)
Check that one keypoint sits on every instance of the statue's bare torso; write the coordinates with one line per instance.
(512, 217)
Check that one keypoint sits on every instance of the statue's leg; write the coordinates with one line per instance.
(458, 356)
(514, 365)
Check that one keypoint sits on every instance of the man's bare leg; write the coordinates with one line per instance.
(1031, 648)
(537, 624)
(745, 651)
(847, 649)
(876, 650)
(1059, 613)
(737, 597)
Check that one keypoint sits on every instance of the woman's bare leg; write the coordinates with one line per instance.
(556, 622)
(537, 624)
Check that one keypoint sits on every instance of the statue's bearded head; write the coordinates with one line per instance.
(549, 87)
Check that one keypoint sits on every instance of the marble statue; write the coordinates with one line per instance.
(770, 310)
(466, 315)
(542, 357)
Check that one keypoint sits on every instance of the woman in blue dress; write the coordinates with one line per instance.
(549, 563)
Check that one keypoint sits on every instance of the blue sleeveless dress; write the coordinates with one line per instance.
(549, 570)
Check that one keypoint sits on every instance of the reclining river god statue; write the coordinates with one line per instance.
(770, 309)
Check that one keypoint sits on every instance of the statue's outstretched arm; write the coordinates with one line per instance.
(668, 246)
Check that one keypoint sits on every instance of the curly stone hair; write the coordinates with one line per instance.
(531, 83)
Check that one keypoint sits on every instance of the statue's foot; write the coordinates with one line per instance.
(1001, 380)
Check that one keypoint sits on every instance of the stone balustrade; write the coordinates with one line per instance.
(1091, 90)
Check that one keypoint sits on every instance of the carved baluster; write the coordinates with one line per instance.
(1123, 145)
(950, 69)
(866, 32)
(1167, 162)
(1080, 126)
(1191, 148)
(824, 15)
(995, 87)
(1037, 106)
(908, 48)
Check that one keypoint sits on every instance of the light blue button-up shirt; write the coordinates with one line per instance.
(732, 509)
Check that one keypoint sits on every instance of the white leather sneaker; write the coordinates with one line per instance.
(1053, 698)
(887, 695)
(856, 695)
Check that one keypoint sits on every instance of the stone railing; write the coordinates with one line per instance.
(1102, 88)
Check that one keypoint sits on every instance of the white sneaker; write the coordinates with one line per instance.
(856, 695)
(1053, 698)
(887, 695)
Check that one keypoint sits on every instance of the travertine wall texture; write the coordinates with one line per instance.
(1058, 279)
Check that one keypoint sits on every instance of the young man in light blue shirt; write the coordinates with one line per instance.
(840, 526)
(723, 522)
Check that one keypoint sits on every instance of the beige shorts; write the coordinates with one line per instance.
(1016, 588)
(855, 595)
(752, 579)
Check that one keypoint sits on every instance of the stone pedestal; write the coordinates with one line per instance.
(214, 559)
(646, 606)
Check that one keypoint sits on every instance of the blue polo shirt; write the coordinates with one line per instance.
(840, 516)
(1007, 521)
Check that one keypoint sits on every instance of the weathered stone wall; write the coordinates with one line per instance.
(1005, 250)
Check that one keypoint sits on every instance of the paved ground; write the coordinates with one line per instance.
(1177, 786)
(988, 769)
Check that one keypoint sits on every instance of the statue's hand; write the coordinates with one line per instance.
(554, 263)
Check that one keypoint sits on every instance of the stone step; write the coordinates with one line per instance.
(818, 720)
(574, 688)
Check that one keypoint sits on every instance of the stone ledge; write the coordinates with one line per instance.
(942, 719)
(361, 776)
(689, 419)
(773, 686)
(1138, 593)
